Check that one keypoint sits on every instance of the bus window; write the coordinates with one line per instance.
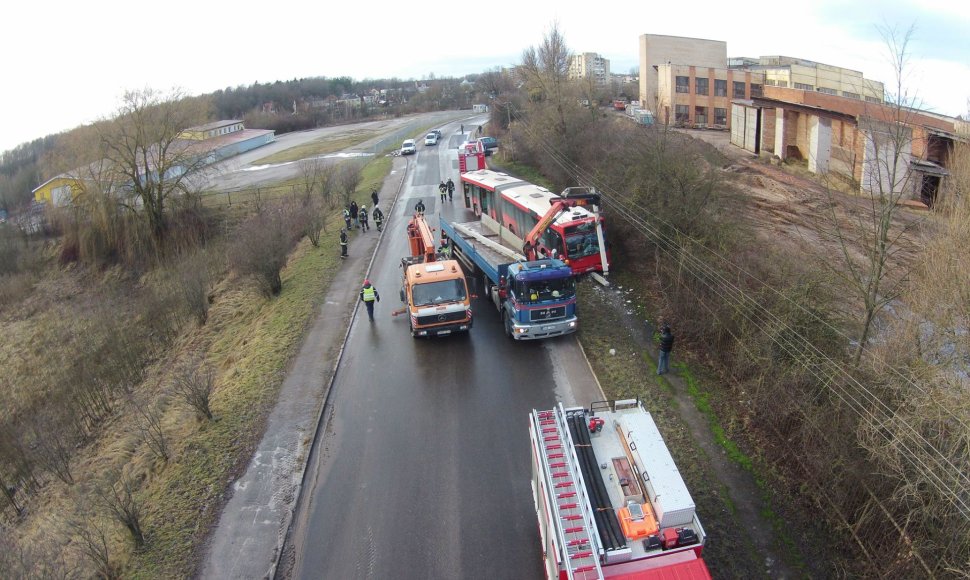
(581, 240)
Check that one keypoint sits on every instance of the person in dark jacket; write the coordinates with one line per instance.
(451, 189)
(362, 218)
(369, 295)
(378, 217)
(666, 345)
(354, 214)
(343, 243)
(419, 207)
(375, 198)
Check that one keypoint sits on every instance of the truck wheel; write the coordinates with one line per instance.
(508, 325)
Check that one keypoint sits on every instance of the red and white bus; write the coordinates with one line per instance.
(511, 207)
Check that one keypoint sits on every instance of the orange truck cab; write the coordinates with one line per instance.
(437, 298)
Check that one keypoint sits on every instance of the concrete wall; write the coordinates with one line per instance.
(656, 49)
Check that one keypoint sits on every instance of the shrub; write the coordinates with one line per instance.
(262, 243)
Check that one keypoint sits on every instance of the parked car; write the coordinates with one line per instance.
(408, 147)
(431, 139)
(488, 144)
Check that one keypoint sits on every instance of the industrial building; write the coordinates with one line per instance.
(213, 141)
(687, 82)
(807, 75)
(872, 146)
(590, 65)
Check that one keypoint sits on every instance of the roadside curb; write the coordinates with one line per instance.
(318, 423)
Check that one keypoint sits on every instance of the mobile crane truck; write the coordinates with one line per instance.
(535, 298)
(433, 289)
(609, 498)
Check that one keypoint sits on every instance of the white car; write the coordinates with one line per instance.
(408, 147)
(431, 139)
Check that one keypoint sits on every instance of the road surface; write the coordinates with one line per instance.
(422, 468)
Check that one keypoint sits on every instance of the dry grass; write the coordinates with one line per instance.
(321, 146)
(247, 340)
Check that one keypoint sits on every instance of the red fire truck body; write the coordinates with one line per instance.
(609, 498)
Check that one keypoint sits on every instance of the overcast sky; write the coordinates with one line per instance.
(67, 63)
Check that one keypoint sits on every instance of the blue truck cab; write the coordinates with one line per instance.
(535, 298)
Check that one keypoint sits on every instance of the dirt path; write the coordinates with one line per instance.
(743, 493)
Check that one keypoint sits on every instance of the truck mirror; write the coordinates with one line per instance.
(402, 294)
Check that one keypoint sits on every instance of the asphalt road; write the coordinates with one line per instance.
(423, 469)
(241, 170)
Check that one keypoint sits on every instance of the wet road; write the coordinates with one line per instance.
(424, 467)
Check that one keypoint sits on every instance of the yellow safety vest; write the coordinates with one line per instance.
(370, 294)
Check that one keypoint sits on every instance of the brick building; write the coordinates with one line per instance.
(850, 139)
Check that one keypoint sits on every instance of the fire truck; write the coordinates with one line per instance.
(433, 289)
(609, 498)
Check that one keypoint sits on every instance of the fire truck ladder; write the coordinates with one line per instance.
(567, 495)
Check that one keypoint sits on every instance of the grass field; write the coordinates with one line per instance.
(320, 146)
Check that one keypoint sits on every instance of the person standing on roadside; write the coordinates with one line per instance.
(353, 214)
(375, 198)
(347, 216)
(666, 345)
(369, 295)
(443, 190)
(343, 243)
(378, 217)
(419, 207)
(451, 189)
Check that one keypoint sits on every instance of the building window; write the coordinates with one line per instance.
(783, 84)
(700, 86)
(851, 95)
(683, 85)
(680, 114)
(720, 116)
(738, 89)
(755, 90)
(872, 100)
(700, 115)
(828, 91)
(804, 87)
(720, 88)
(771, 82)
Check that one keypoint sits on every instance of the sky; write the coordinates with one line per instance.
(67, 63)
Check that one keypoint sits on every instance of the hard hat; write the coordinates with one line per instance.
(366, 282)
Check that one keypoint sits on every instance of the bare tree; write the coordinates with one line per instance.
(193, 277)
(194, 384)
(545, 70)
(870, 238)
(350, 176)
(91, 537)
(117, 496)
(147, 153)
(327, 179)
(263, 243)
(149, 416)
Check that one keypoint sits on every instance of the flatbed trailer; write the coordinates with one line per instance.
(609, 498)
(536, 299)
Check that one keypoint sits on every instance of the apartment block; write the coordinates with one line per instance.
(590, 65)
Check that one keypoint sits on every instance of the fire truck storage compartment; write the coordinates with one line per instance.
(663, 483)
(611, 536)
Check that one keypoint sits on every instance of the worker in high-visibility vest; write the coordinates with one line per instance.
(369, 295)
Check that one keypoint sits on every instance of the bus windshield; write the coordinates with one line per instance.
(545, 290)
(439, 292)
(581, 240)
